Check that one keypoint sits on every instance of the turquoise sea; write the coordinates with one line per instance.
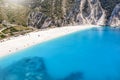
(93, 52)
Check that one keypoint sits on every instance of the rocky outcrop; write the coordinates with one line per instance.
(38, 20)
(74, 76)
(115, 16)
(87, 12)
(108, 6)
(46, 13)
(78, 12)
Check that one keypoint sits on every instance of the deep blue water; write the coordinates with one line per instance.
(94, 52)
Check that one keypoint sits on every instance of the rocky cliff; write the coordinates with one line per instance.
(74, 12)
(39, 20)
(115, 16)
(47, 13)
(86, 12)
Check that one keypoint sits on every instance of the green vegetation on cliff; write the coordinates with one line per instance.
(14, 31)
(15, 14)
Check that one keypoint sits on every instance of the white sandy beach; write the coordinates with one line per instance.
(21, 42)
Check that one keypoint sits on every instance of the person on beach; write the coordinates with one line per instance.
(38, 35)
(9, 50)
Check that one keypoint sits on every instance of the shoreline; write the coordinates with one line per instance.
(15, 44)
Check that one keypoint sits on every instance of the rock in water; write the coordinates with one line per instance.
(31, 69)
(26, 69)
(74, 76)
(115, 17)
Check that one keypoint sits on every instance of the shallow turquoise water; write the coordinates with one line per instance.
(94, 52)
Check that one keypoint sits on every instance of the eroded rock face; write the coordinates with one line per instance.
(87, 12)
(75, 12)
(38, 20)
(47, 13)
(26, 69)
(78, 12)
(115, 16)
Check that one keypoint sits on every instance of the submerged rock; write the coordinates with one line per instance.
(74, 76)
(31, 69)
(26, 69)
(115, 16)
